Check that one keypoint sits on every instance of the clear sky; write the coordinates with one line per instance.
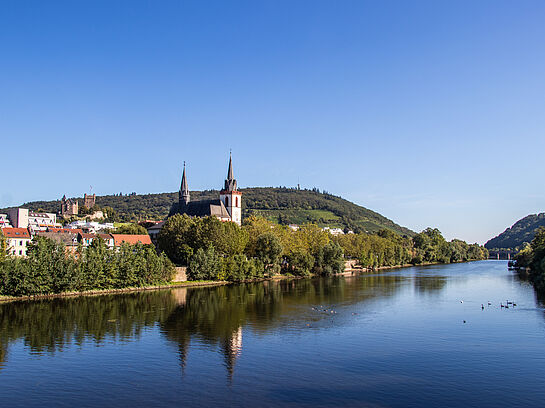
(429, 112)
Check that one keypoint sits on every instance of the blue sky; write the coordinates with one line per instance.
(429, 112)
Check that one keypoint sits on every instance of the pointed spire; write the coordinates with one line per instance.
(230, 171)
(230, 182)
(184, 189)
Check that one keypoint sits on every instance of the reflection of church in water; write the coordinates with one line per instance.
(230, 343)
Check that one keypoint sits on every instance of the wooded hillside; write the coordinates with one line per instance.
(282, 205)
(522, 231)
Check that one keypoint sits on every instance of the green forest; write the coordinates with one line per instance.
(281, 205)
(523, 231)
(532, 256)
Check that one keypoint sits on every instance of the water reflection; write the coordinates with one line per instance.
(214, 316)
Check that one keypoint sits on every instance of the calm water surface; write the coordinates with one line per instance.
(394, 339)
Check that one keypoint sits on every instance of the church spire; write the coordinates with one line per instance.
(184, 190)
(230, 182)
(230, 170)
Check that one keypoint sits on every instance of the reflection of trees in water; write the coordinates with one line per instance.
(429, 284)
(214, 315)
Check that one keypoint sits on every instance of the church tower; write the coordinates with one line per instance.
(183, 194)
(231, 197)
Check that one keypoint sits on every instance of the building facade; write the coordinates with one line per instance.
(17, 240)
(69, 207)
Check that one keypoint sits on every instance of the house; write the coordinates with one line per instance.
(91, 227)
(108, 240)
(17, 240)
(130, 239)
(228, 207)
(86, 239)
(69, 239)
(334, 231)
(154, 231)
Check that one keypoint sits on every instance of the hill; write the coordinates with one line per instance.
(282, 205)
(522, 231)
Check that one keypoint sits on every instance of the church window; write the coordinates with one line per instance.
(236, 201)
(227, 201)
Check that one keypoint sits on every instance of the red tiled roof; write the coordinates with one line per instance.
(16, 233)
(130, 239)
(85, 235)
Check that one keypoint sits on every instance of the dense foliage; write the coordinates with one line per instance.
(389, 249)
(522, 231)
(532, 256)
(224, 251)
(50, 269)
(281, 205)
(214, 250)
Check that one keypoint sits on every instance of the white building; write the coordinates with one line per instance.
(334, 231)
(17, 240)
(35, 221)
(91, 227)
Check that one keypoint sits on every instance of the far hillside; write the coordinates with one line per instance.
(281, 205)
(522, 231)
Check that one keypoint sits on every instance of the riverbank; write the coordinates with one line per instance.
(191, 284)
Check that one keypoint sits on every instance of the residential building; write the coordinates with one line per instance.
(131, 239)
(91, 227)
(69, 239)
(35, 221)
(17, 240)
(334, 231)
(154, 231)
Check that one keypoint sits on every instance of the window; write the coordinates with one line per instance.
(236, 201)
(20, 252)
(227, 201)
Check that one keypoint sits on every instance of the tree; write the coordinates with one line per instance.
(176, 238)
(204, 265)
(268, 250)
(3, 246)
(131, 229)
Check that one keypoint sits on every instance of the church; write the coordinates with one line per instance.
(226, 208)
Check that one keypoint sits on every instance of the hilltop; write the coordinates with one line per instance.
(521, 231)
(282, 205)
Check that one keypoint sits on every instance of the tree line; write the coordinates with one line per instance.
(214, 250)
(532, 256)
(49, 269)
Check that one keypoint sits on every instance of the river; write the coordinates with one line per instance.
(410, 337)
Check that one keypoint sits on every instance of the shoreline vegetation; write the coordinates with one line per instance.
(218, 252)
(530, 260)
(195, 284)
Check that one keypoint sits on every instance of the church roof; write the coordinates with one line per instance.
(206, 207)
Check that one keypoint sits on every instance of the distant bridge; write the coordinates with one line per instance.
(507, 254)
